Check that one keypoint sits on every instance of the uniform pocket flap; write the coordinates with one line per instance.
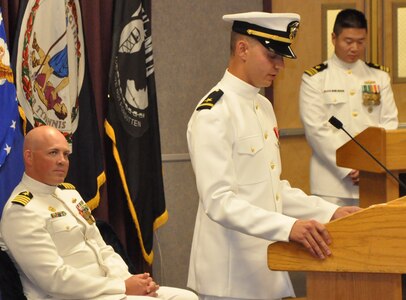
(250, 145)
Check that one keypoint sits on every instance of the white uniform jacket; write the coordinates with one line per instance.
(336, 89)
(58, 254)
(243, 204)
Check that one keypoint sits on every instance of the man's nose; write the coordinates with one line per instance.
(280, 63)
(62, 159)
(355, 46)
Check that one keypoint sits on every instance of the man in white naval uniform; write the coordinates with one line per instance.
(356, 93)
(50, 234)
(234, 148)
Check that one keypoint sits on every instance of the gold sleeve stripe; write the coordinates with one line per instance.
(206, 105)
(23, 198)
(311, 71)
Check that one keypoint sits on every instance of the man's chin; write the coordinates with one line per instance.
(352, 59)
(59, 180)
(266, 84)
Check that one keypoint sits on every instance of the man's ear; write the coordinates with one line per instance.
(242, 47)
(28, 157)
(333, 38)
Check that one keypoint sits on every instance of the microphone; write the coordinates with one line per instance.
(339, 125)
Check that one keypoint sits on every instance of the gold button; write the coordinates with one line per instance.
(67, 227)
(272, 165)
(256, 106)
(349, 72)
(266, 135)
(252, 149)
(277, 197)
(352, 92)
(354, 114)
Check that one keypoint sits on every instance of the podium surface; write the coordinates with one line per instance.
(368, 256)
(388, 147)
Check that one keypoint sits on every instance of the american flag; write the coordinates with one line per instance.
(11, 137)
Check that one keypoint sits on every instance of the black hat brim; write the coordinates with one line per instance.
(279, 48)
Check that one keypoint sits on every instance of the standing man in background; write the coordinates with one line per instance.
(357, 93)
(234, 148)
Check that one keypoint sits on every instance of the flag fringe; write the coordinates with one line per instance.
(158, 222)
(95, 201)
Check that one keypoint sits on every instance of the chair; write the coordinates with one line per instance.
(10, 283)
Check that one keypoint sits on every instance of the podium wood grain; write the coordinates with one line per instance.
(368, 256)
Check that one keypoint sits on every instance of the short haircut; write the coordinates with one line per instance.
(349, 18)
(235, 37)
(233, 41)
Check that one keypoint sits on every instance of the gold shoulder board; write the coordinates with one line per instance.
(66, 186)
(379, 67)
(23, 198)
(211, 99)
(316, 69)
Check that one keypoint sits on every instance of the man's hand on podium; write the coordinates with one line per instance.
(354, 175)
(344, 211)
(313, 236)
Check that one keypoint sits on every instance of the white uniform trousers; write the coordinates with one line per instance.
(168, 293)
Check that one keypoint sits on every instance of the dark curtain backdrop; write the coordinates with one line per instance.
(97, 28)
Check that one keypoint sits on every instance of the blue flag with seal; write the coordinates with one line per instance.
(11, 137)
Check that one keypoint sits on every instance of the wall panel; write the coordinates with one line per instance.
(191, 49)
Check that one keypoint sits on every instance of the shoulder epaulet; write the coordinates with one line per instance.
(66, 186)
(23, 198)
(379, 67)
(211, 99)
(316, 69)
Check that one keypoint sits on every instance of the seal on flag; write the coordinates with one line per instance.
(50, 66)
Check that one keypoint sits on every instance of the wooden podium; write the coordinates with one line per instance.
(367, 261)
(389, 147)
